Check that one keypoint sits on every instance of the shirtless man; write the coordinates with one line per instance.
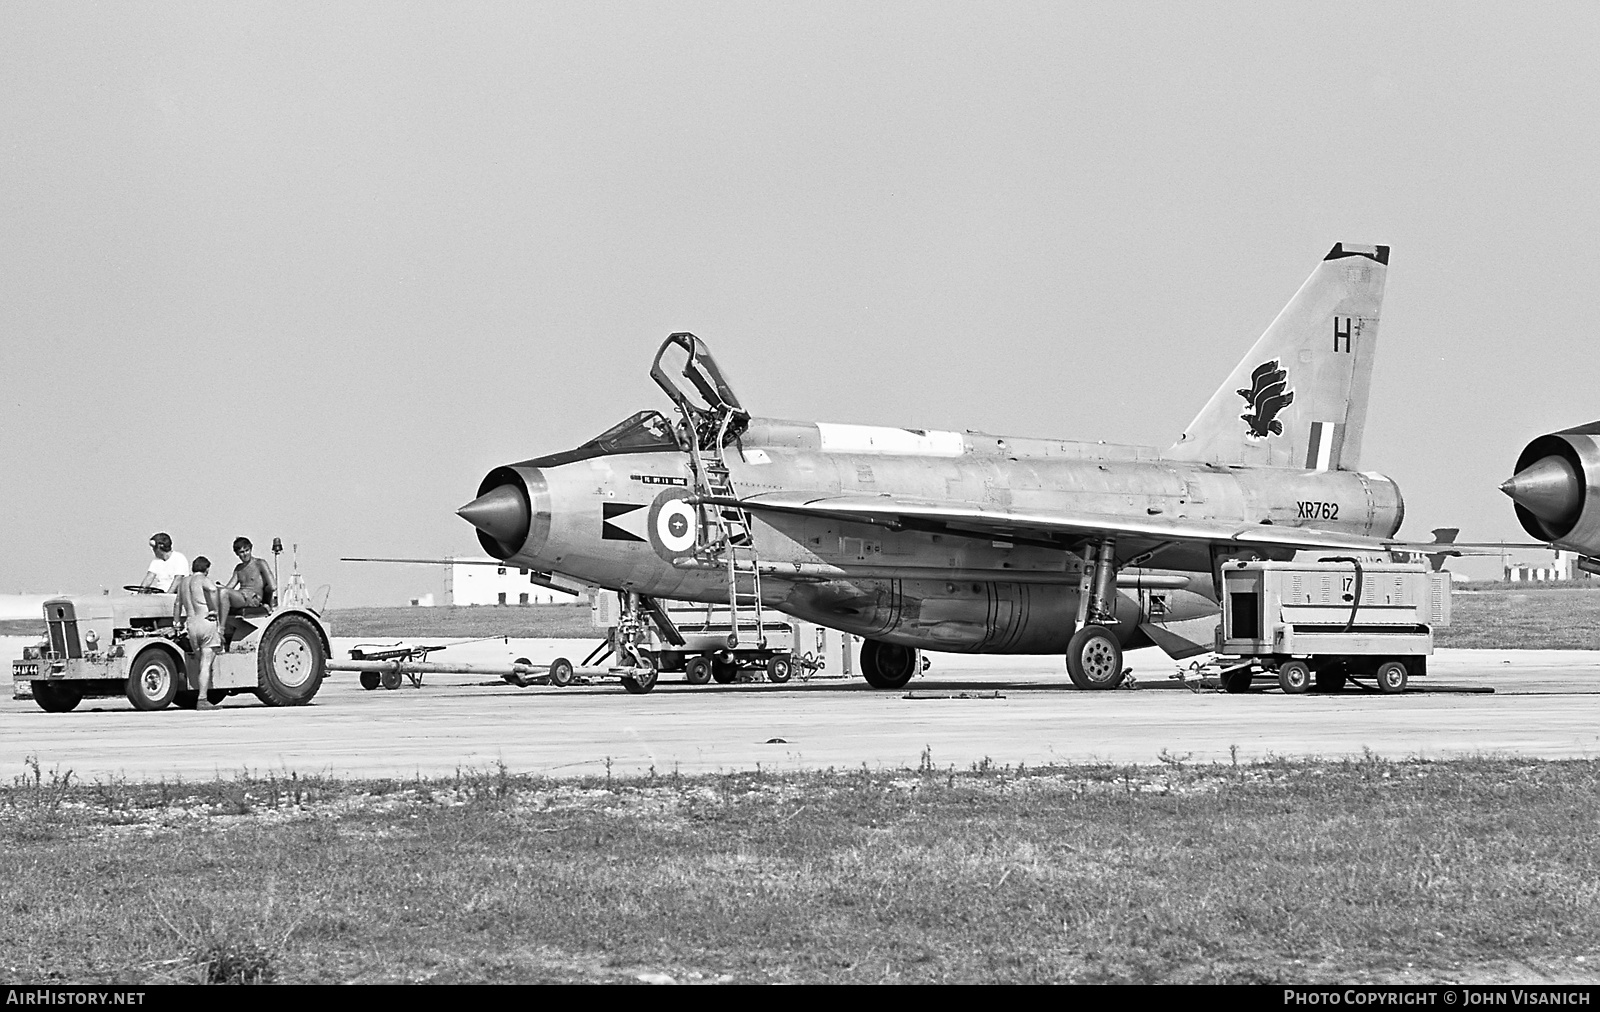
(250, 586)
(197, 605)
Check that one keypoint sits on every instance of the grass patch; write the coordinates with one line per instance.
(1277, 871)
(1486, 616)
(1501, 617)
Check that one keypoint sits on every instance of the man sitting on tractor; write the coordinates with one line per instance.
(167, 568)
(251, 586)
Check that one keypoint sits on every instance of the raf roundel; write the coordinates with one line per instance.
(673, 525)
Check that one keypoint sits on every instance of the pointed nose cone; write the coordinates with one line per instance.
(501, 513)
(1548, 488)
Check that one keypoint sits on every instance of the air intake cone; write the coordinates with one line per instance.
(502, 514)
(1548, 488)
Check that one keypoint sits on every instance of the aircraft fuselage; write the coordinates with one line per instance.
(933, 589)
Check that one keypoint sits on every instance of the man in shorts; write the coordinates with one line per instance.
(250, 586)
(167, 568)
(197, 608)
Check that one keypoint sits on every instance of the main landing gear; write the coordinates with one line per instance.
(1094, 654)
(888, 665)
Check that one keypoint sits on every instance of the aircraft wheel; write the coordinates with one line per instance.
(1392, 676)
(153, 681)
(642, 681)
(289, 663)
(56, 697)
(725, 672)
(697, 671)
(888, 665)
(561, 672)
(1294, 677)
(370, 680)
(1236, 681)
(780, 668)
(1094, 658)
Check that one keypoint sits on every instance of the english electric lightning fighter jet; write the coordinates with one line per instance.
(963, 541)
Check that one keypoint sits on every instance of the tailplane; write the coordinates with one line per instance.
(1299, 398)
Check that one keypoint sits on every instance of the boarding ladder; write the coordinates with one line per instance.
(712, 418)
(727, 537)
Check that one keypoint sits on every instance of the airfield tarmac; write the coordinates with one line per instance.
(1546, 704)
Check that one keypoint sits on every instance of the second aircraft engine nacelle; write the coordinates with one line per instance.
(1556, 489)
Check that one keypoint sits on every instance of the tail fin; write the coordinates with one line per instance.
(1299, 399)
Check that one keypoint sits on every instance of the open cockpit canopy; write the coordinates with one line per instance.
(706, 399)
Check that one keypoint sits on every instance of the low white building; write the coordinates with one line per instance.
(1562, 567)
(474, 581)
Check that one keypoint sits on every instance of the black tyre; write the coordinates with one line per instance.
(370, 680)
(561, 672)
(1236, 681)
(697, 671)
(56, 697)
(152, 680)
(1331, 679)
(888, 665)
(1094, 658)
(1294, 677)
(724, 672)
(1392, 676)
(188, 700)
(779, 668)
(290, 662)
(389, 680)
(641, 681)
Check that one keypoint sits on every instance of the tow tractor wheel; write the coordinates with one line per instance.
(1392, 676)
(1294, 677)
(370, 680)
(779, 668)
(561, 672)
(641, 681)
(697, 671)
(725, 672)
(153, 681)
(888, 665)
(1094, 658)
(56, 697)
(290, 663)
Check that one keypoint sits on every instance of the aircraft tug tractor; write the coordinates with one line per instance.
(125, 645)
(1332, 621)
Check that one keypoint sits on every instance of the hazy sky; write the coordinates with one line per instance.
(310, 270)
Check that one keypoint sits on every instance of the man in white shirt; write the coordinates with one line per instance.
(167, 568)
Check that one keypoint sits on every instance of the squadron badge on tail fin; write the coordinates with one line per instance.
(1265, 397)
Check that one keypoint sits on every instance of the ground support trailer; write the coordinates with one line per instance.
(705, 643)
(1328, 623)
(126, 645)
